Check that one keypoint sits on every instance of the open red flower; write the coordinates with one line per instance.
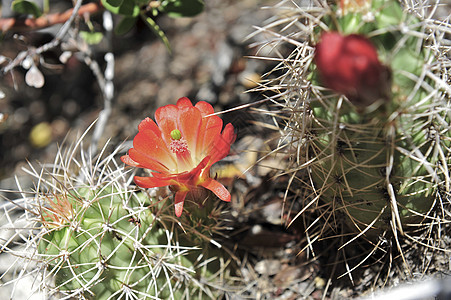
(349, 64)
(181, 149)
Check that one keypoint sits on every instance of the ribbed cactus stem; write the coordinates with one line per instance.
(366, 111)
(119, 245)
(376, 157)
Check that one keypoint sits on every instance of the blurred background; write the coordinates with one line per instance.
(207, 62)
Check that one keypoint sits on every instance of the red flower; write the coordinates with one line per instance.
(180, 150)
(350, 65)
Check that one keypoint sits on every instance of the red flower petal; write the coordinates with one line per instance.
(192, 177)
(189, 123)
(184, 103)
(211, 128)
(145, 161)
(205, 108)
(149, 124)
(179, 199)
(152, 146)
(328, 50)
(151, 182)
(360, 45)
(217, 188)
(221, 144)
(166, 118)
(128, 161)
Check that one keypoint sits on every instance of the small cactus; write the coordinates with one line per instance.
(381, 154)
(110, 247)
(363, 88)
(386, 163)
(94, 237)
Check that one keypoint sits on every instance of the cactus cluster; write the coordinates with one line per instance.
(93, 236)
(364, 87)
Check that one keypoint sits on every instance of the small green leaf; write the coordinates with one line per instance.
(125, 25)
(26, 7)
(182, 8)
(157, 30)
(108, 6)
(125, 8)
(129, 8)
(92, 38)
(115, 3)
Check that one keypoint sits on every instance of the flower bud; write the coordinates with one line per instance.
(350, 65)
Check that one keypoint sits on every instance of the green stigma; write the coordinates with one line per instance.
(176, 134)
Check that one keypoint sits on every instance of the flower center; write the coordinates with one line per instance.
(179, 146)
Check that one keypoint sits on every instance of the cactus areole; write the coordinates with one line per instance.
(181, 149)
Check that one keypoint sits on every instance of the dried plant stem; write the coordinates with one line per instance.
(105, 83)
(46, 47)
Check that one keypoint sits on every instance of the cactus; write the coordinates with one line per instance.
(362, 92)
(383, 165)
(112, 247)
(379, 155)
(95, 237)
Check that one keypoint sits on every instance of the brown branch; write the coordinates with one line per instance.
(14, 24)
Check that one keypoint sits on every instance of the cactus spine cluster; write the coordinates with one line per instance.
(381, 162)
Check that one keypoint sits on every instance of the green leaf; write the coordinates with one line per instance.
(113, 9)
(114, 3)
(182, 8)
(26, 7)
(157, 30)
(125, 8)
(129, 8)
(92, 38)
(125, 25)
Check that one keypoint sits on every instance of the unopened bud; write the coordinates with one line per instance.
(350, 65)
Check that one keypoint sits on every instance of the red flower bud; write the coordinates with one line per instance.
(350, 65)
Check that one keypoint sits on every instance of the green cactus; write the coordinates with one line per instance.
(384, 167)
(113, 244)
(383, 164)
(88, 235)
